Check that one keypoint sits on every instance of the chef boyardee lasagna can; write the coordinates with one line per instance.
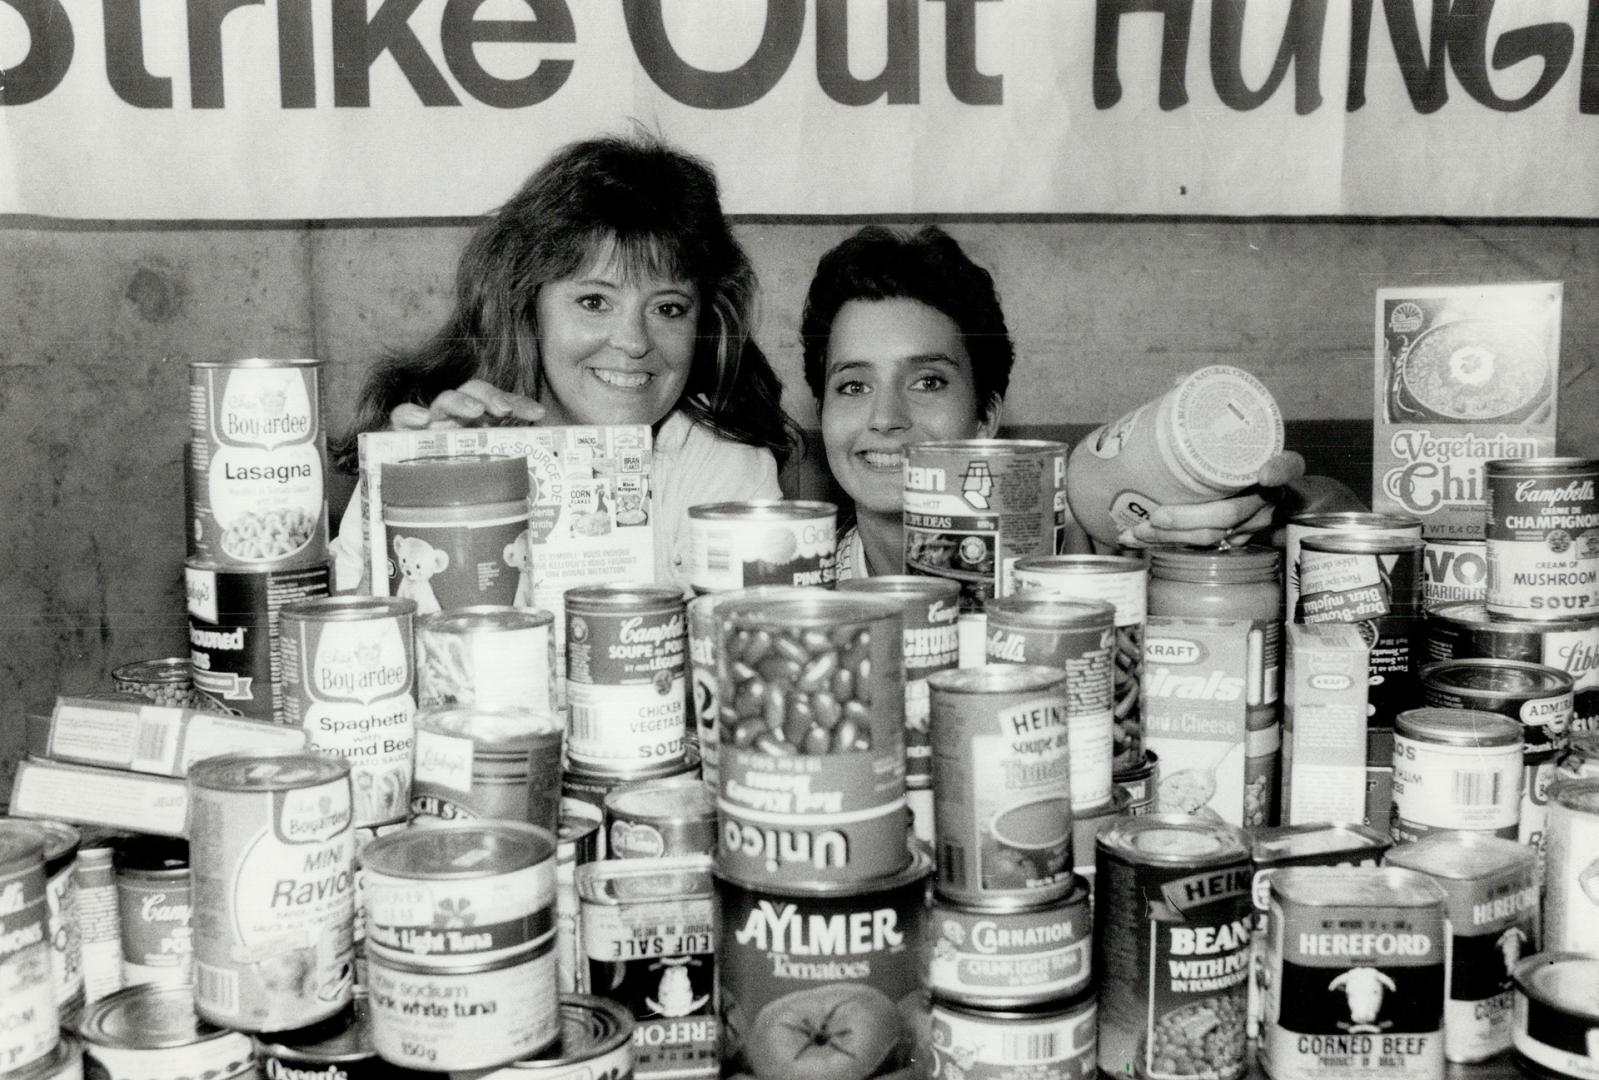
(1466, 631)
(837, 972)
(1453, 572)
(812, 747)
(1354, 975)
(1557, 1015)
(1055, 1039)
(735, 545)
(1457, 769)
(1491, 911)
(29, 1021)
(271, 858)
(596, 1043)
(257, 460)
(146, 1032)
(1079, 637)
(487, 655)
(930, 607)
(1172, 915)
(649, 944)
(626, 664)
(1002, 782)
(1571, 873)
(652, 819)
(1010, 954)
(1543, 537)
(973, 507)
(339, 1048)
(349, 681)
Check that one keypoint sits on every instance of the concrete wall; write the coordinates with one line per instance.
(99, 322)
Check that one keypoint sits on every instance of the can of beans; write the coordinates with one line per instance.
(1571, 875)
(1557, 1015)
(29, 1020)
(930, 607)
(1543, 537)
(1342, 522)
(271, 855)
(257, 461)
(592, 787)
(64, 1063)
(1053, 1039)
(578, 842)
(165, 681)
(61, 844)
(486, 763)
(1454, 572)
(1354, 974)
(1455, 769)
(649, 944)
(1078, 637)
(155, 898)
(596, 1043)
(839, 972)
(625, 675)
(348, 680)
(339, 1048)
(652, 819)
(1466, 631)
(144, 1032)
(98, 916)
(1123, 582)
(734, 545)
(812, 747)
(1172, 917)
(487, 656)
(1002, 782)
(1139, 778)
(975, 506)
(1010, 953)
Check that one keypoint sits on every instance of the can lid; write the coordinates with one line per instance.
(1581, 795)
(61, 841)
(916, 586)
(454, 480)
(1175, 839)
(1565, 980)
(991, 447)
(1225, 426)
(998, 679)
(1363, 543)
(347, 607)
(476, 618)
(151, 1017)
(1463, 856)
(1458, 727)
(810, 608)
(1219, 565)
(1539, 466)
(591, 1028)
(459, 850)
(146, 854)
(622, 596)
(1355, 520)
(1498, 679)
(1332, 886)
(20, 848)
(266, 770)
(493, 729)
(623, 881)
(167, 669)
(670, 798)
(1077, 564)
(764, 510)
(1043, 613)
(1274, 845)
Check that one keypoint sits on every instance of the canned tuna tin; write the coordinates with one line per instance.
(155, 899)
(1466, 631)
(1543, 537)
(1010, 954)
(29, 1022)
(1455, 769)
(1571, 876)
(348, 677)
(489, 656)
(339, 1048)
(625, 668)
(840, 973)
(578, 842)
(271, 854)
(1556, 1018)
(1340, 522)
(975, 506)
(256, 463)
(1054, 1040)
(486, 763)
(235, 633)
(1172, 916)
(144, 1032)
(1354, 975)
(812, 747)
(735, 545)
(596, 1043)
(648, 941)
(651, 819)
(1002, 794)
(1453, 572)
(61, 843)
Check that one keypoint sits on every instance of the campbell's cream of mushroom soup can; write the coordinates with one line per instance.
(1354, 975)
(736, 545)
(1543, 537)
(257, 461)
(272, 860)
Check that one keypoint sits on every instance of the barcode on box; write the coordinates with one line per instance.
(152, 740)
(217, 988)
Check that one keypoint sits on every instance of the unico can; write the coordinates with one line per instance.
(348, 680)
(1543, 537)
(975, 506)
(734, 545)
(1002, 782)
(271, 855)
(1571, 876)
(29, 1022)
(1172, 917)
(1011, 953)
(1455, 769)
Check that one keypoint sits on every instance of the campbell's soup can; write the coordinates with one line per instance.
(29, 1022)
(1466, 631)
(626, 669)
(1054, 1039)
(736, 545)
(349, 677)
(975, 506)
(1013, 953)
(1571, 873)
(1453, 572)
(1339, 522)
(257, 463)
(271, 856)
(487, 656)
(1455, 769)
(61, 845)
(155, 897)
(1543, 537)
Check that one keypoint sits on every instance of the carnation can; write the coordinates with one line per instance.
(1054, 1039)
(1571, 874)
(652, 819)
(626, 664)
(1011, 953)
(1557, 1015)
(487, 655)
(1455, 769)
(1543, 537)
(29, 1021)
(735, 545)
(145, 1032)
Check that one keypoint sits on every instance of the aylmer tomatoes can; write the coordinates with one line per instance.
(1543, 537)
(1466, 631)
(1012, 953)
(736, 545)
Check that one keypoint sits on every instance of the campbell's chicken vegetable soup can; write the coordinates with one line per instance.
(735, 545)
(1466, 631)
(257, 461)
(1543, 537)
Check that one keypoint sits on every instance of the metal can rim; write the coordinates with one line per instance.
(918, 868)
(763, 510)
(521, 846)
(93, 1024)
(346, 607)
(1458, 727)
(1013, 903)
(1232, 843)
(622, 596)
(1082, 565)
(1554, 681)
(1070, 1006)
(208, 773)
(1526, 977)
(997, 679)
(476, 617)
(594, 880)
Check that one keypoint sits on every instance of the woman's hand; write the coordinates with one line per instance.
(1233, 520)
(475, 403)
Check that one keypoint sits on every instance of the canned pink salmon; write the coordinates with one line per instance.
(257, 460)
(486, 763)
(1010, 954)
(457, 526)
(491, 656)
(736, 545)
(1571, 875)
(975, 506)
(155, 898)
(625, 668)
(1002, 782)
(1543, 537)
(29, 1021)
(596, 1043)
(146, 1032)
(1453, 572)
(1556, 1015)
(1455, 769)
(348, 679)
(1337, 522)
(1466, 631)
(271, 856)
(1055, 1039)
(652, 819)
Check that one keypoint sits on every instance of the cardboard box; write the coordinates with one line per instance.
(148, 738)
(1324, 724)
(109, 798)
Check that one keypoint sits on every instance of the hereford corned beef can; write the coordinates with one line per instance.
(736, 545)
(1543, 537)
(1011, 953)
(837, 972)
(1466, 631)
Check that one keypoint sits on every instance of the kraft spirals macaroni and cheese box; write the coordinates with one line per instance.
(1463, 375)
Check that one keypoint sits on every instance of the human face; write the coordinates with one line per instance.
(616, 345)
(897, 373)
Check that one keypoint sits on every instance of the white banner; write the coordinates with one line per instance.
(328, 109)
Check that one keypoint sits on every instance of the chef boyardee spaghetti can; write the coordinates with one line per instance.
(653, 819)
(1543, 537)
(1354, 975)
(735, 545)
(271, 858)
(1453, 572)
(487, 655)
(1172, 916)
(29, 1020)
(1457, 769)
(145, 1032)
(1012, 953)
(626, 666)
(1557, 1015)
(257, 461)
(1055, 1039)
(1343, 522)
(930, 608)
(975, 506)
(1002, 782)
(348, 680)
(596, 1043)
(1466, 631)
(1571, 873)
(1079, 637)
